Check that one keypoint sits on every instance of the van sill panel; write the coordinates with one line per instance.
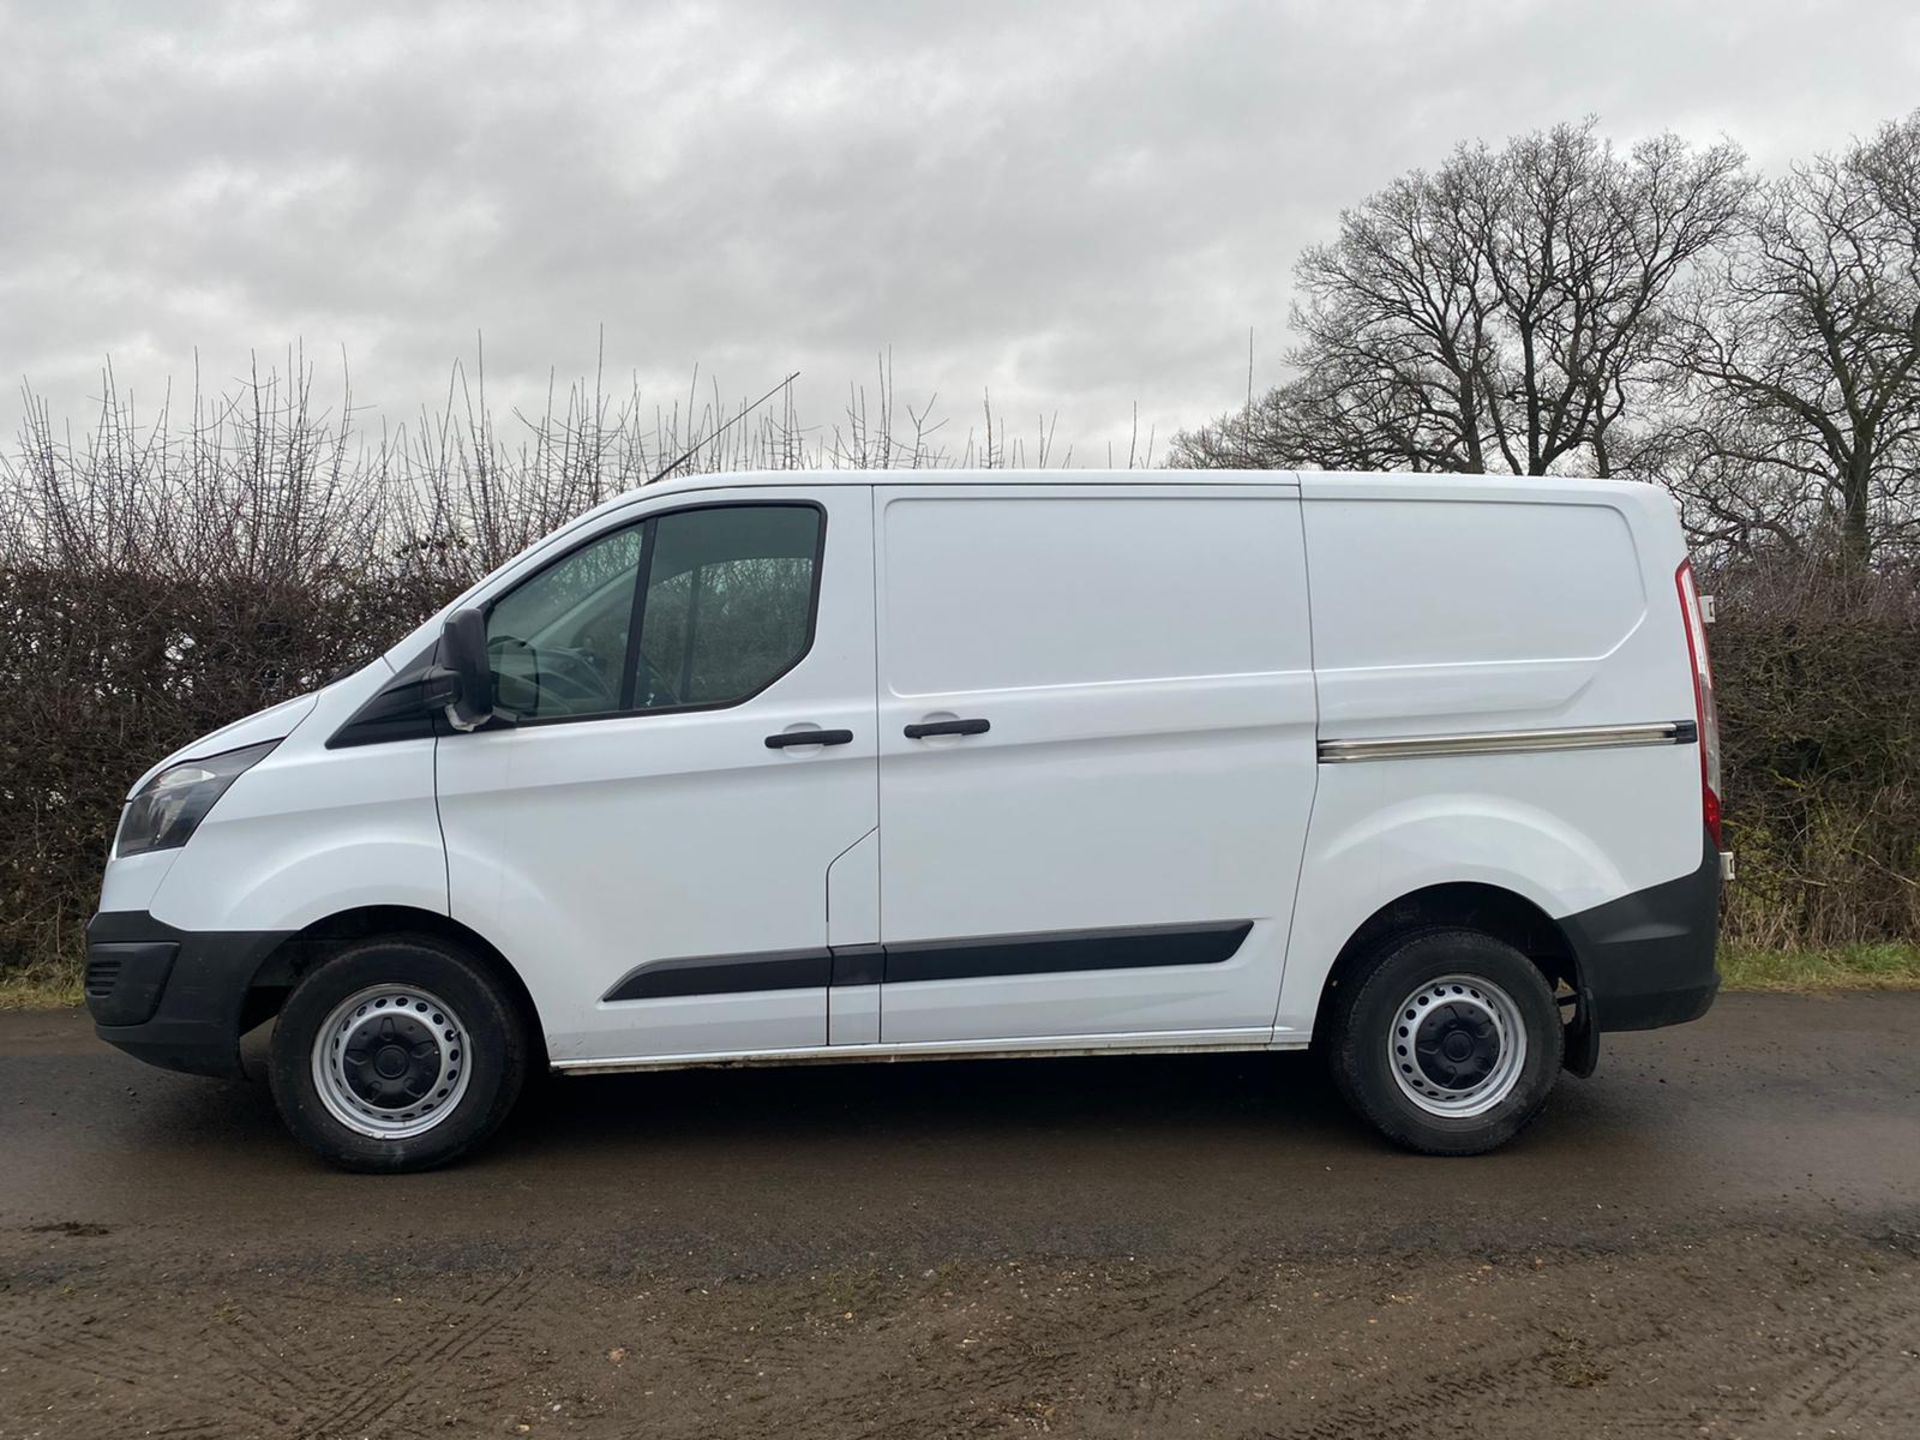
(1053, 1047)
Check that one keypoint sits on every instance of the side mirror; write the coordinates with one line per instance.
(461, 680)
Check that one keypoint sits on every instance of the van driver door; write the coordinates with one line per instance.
(649, 845)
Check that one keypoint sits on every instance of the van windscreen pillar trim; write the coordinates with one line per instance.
(1511, 742)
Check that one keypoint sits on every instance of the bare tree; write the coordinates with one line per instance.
(1497, 314)
(1802, 353)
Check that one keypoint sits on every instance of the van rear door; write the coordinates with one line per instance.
(1096, 723)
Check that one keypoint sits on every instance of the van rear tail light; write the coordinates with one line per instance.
(1694, 614)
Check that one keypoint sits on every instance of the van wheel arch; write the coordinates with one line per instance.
(1491, 910)
(300, 952)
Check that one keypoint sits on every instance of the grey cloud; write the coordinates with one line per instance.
(1079, 205)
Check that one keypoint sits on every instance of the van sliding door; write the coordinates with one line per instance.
(1096, 730)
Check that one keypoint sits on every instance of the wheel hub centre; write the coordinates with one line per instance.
(1457, 1046)
(391, 1061)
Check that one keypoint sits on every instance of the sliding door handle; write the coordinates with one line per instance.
(809, 737)
(947, 727)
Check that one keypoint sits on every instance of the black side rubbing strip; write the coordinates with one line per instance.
(859, 964)
(1065, 951)
(725, 975)
(1050, 953)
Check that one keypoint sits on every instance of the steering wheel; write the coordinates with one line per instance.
(571, 680)
(574, 679)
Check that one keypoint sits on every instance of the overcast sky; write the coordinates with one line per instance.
(1076, 206)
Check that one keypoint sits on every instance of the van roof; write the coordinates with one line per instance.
(1328, 482)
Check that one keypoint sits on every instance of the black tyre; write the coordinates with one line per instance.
(1448, 1042)
(397, 1053)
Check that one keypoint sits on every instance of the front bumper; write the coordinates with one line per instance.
(174, 998)
(1649, 959)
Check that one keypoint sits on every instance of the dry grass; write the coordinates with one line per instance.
(39, 987)
(1843, 967)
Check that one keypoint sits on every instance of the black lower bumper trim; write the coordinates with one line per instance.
(184, 1014)
(1648, 958)
(125, 979)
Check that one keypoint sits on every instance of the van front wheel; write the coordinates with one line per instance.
(1449, 1043)
(396, 1053)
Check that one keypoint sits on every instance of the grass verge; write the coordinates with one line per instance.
(39, 988)
(1843, 967)
(1742, 968)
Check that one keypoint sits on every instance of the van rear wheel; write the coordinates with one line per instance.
(1449, 1043)
(397, 1053)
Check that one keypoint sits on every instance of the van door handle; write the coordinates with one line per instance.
(809, 737)
(948, 727)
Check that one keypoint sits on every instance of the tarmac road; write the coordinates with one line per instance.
(1718, 1235)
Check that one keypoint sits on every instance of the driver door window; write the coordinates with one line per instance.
(728, 608)
(559, 642)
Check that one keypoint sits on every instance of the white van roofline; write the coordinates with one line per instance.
(1346, 484)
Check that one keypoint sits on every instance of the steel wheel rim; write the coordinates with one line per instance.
(391, 1062)
(1456, 1046)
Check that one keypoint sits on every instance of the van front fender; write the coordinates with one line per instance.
(171, 985)
(291, 888)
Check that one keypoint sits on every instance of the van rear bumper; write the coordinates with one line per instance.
(173, 998)
(1648, 959)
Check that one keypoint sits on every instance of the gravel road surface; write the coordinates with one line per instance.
(1718, 1235)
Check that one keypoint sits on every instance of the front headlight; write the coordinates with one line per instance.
(168, 808)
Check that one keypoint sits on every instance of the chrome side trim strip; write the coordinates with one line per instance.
(1510, 742)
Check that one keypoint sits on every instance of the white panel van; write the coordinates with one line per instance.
(782, 768)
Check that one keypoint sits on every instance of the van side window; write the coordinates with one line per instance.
(559, 641)
(729, 603)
